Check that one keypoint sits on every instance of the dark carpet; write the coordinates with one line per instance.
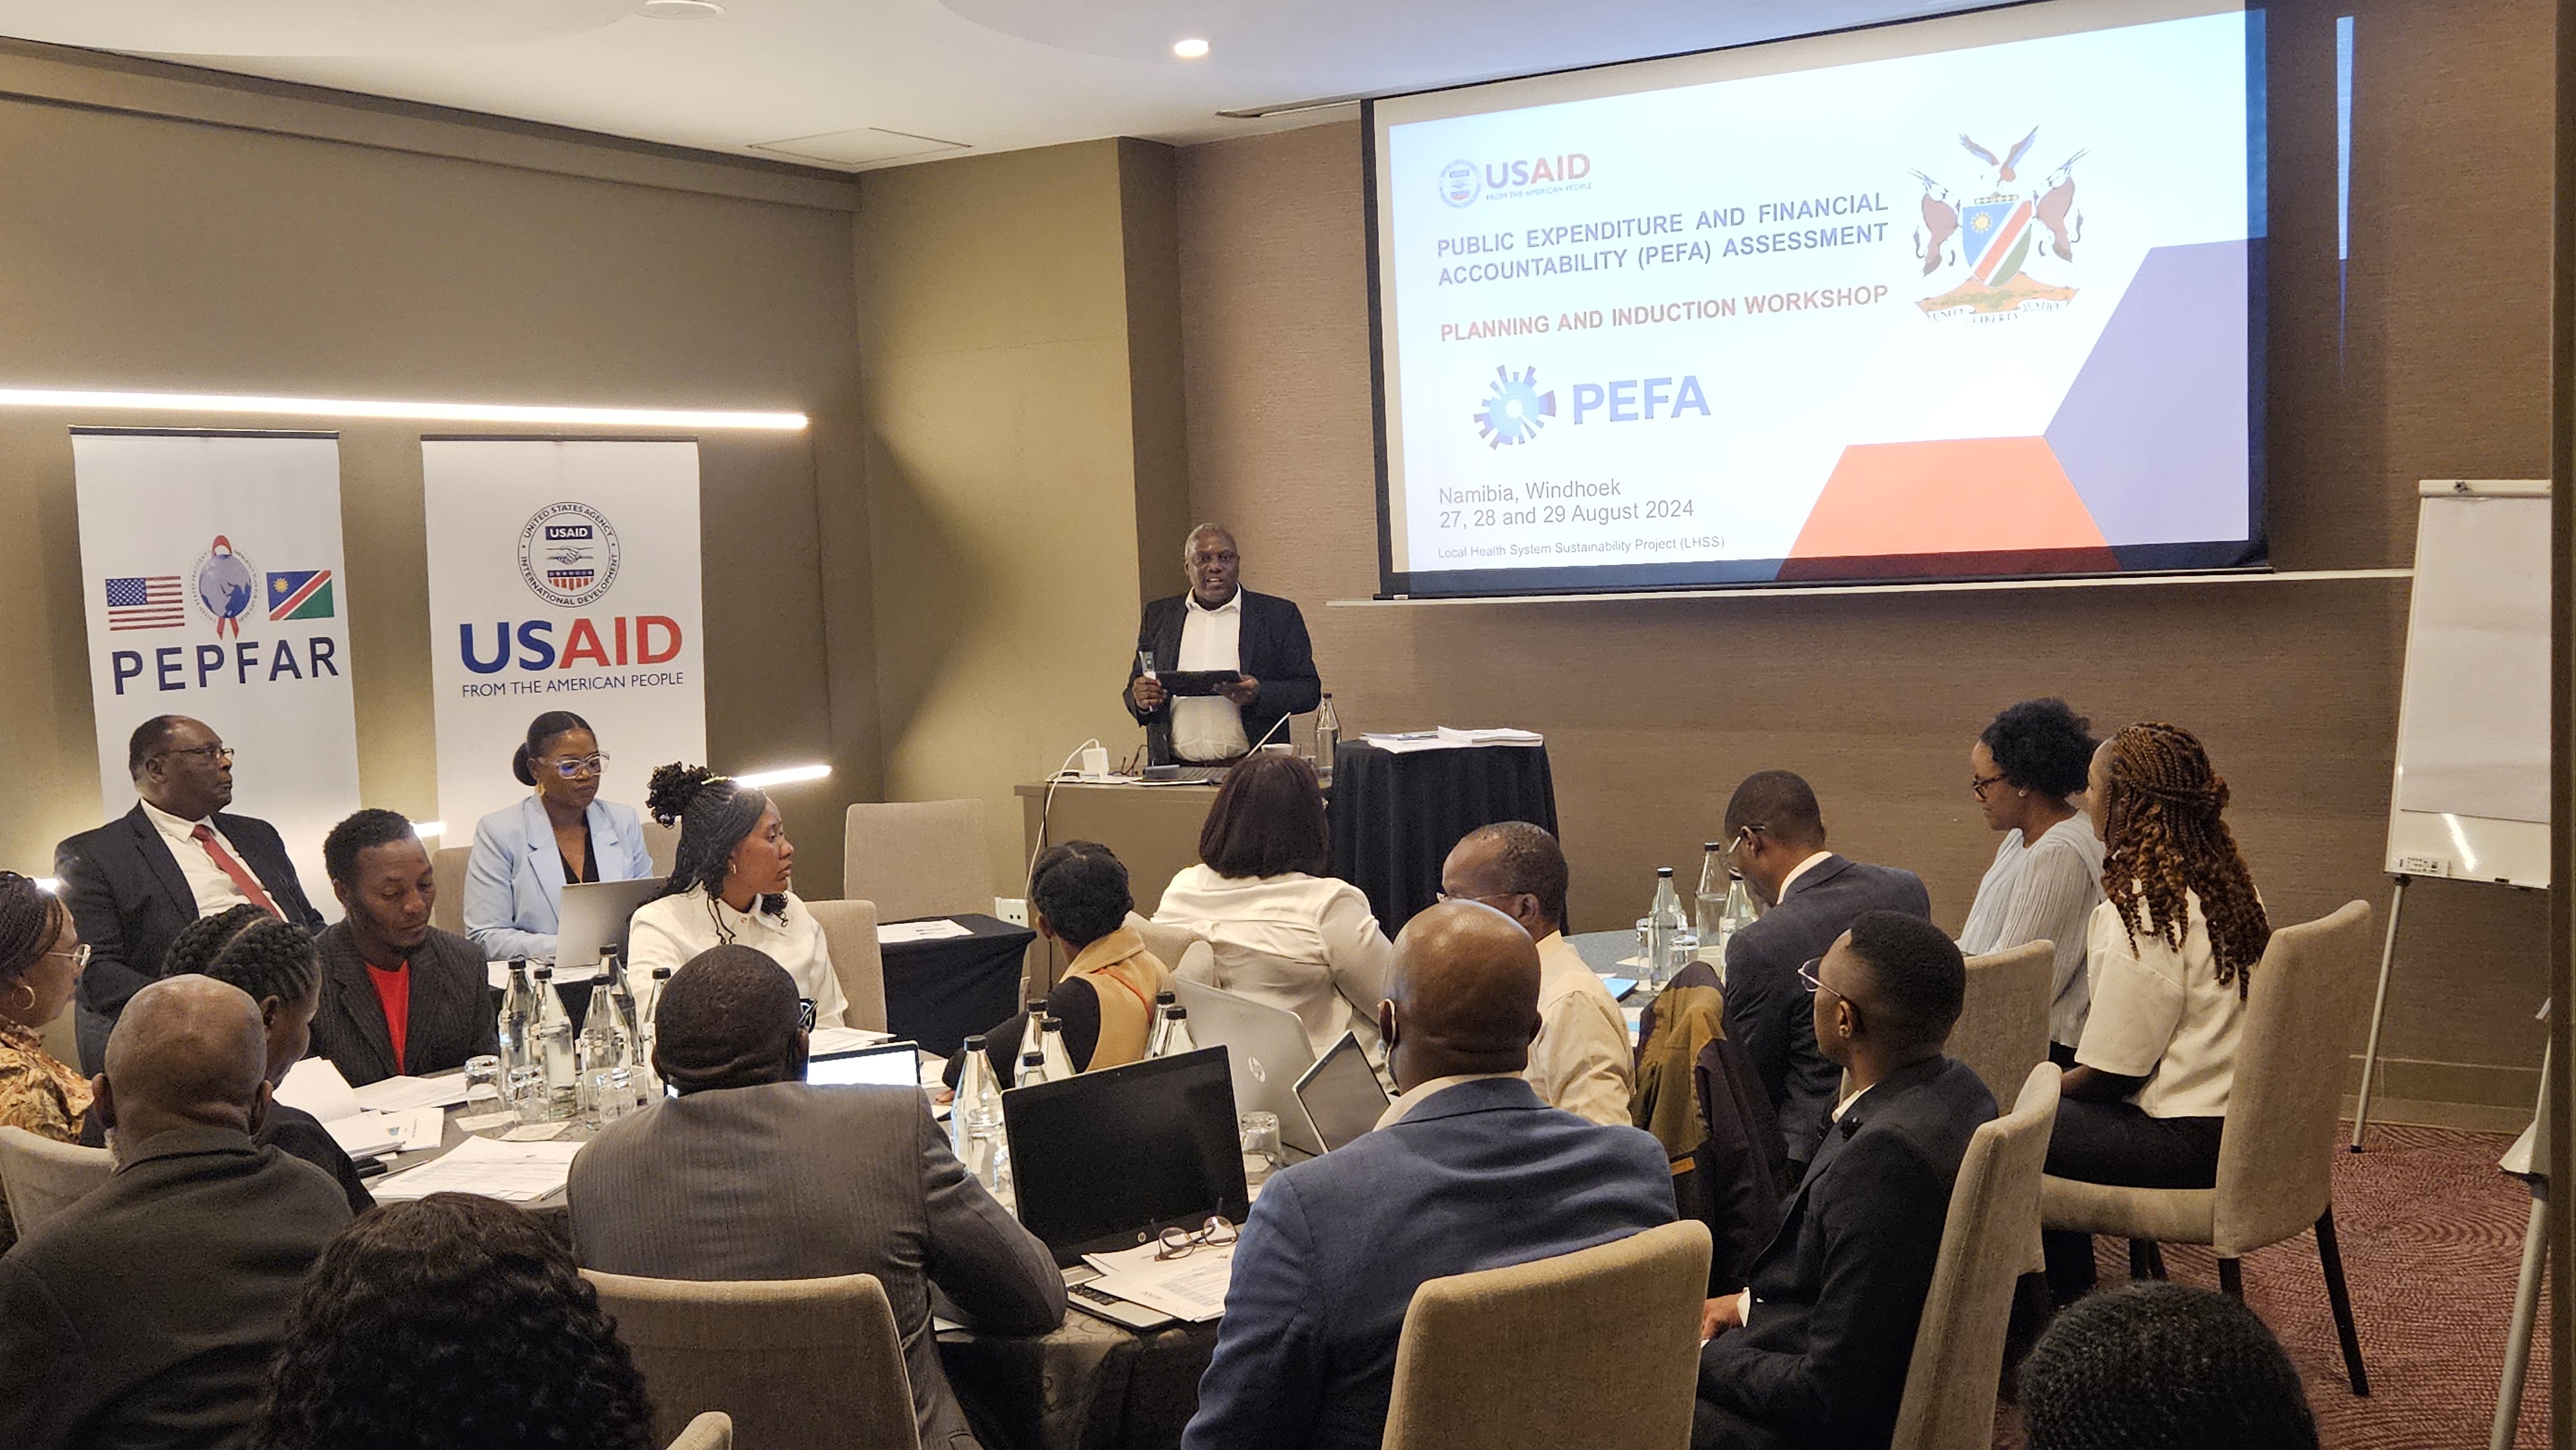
(2432, 1241)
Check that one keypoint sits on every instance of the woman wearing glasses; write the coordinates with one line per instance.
(2025, 771)
(524, 856)
(41, 957)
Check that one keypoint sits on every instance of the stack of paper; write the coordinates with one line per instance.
(1449, 738)
(399, 1094)
(1191, 1287)
(938, 928)
(511, 1172)
(844, 1039)
(362, 1128)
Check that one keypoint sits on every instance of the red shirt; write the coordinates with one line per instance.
(393, 993)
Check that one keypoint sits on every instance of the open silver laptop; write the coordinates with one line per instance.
(1266, 1048)
(595, 914)
(1341, 1092)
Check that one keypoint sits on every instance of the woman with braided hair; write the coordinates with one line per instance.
(2172, 950)
(729, 885)
(41, 958)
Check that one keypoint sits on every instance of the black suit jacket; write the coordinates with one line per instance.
(1770, 1011)
(452, 1017)
(1273, 649)
(146, 1314)
(130, 901)
(292, 1131)
(1837, 1294)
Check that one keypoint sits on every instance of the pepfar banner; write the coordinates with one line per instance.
(213, 581)
(563, 575)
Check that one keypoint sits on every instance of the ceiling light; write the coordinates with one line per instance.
(397, 408)
(1191, 49)
(679, 9)
(761, 779)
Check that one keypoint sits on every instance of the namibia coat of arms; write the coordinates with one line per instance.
(1995, 236)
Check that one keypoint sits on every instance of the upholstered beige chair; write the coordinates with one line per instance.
(447, 864)
(710, 1431)
(2002, 1031)
(41, 1177)
(1601, 1349)
(797, 1364)
(661, 845)
(917, 858)
(850, 935)
(1958, 1361)
(2303, 1016)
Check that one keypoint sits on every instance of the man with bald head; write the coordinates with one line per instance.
(752, 1173)
(1468, 1170)
(1583, 1060)
(1219, 625)
(146, 1313)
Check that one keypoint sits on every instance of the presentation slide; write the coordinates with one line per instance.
(1968, 297)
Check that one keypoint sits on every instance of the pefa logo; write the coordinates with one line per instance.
(1997, 236)
(223, 586)
(1459, 185)
(1514, 409)
(568, 554)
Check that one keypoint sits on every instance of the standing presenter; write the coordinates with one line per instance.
(1219, 626)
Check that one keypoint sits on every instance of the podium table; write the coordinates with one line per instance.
(1395, 814)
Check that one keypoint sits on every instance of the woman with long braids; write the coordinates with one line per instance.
(41, 957)
(729, 885)
(2173, 948)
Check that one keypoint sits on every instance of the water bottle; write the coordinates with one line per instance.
(1176, 1032)
(1709, 909)
(1032, 1039)
(1666, 928)
(518, 1016)
(975, 1114)
(555, 1046)
(647, 1035)
(1328, 738)
(1051, 1049)
(1162, 1025)
(1032, 1069)
(600, 1058)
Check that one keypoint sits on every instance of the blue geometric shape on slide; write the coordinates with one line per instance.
(2153, 431)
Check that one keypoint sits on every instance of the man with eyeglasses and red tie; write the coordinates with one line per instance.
(135, 883)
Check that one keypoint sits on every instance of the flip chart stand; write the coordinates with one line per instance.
(2528, 1160)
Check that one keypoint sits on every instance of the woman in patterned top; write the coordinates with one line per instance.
(40, 961)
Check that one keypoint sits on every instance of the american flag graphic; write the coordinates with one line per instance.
(150, 602)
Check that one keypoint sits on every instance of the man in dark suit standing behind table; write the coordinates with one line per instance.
(1813, 1354)
(1220, 625)
(1468, 1170)
(1776, 840)
(399, 997)
(135, 883)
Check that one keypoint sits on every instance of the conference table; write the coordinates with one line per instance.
(942, 990)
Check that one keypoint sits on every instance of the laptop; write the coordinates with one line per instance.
(886, 1064)
(1107, 1160)
(595, 914)
(1341, 1093)
(1269, 1053)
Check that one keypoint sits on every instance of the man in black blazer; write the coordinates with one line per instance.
(1813, 1353)
(1776, 841)
(384, 963)
(147, 1313)
(1219, 624)
(136, 882)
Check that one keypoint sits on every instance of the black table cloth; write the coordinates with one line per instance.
(1394, 815)
(938, 993)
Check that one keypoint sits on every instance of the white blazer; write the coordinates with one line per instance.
(514, 881)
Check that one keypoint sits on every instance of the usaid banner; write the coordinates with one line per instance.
(563, 575)
(212, 577)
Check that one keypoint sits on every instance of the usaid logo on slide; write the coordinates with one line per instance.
(1514, 410)
(568, 554)
(1461, 182)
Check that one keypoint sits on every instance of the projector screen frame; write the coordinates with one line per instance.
(2216, 557)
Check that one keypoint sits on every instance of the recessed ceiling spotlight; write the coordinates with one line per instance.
(1191, 49)
(679, 9)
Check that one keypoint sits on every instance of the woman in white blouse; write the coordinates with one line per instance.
(730, 886)
(2047, 873)
(1281, 931)
(2173, 950)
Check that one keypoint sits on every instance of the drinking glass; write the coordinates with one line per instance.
(1260, 1135)
(482, 1076)
(526, 1091)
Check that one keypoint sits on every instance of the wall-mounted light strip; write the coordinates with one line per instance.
(426, 412)
(762, 779)
(51, 885)
(429, 830)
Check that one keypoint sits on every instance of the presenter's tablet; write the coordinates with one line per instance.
(1197, 682)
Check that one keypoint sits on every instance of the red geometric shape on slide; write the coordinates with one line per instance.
(1956, 506)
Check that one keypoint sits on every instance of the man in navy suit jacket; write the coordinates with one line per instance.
(131, 895)
(1776, 841)
(1274, 661)
(1813, 1353)
(1468, 1170)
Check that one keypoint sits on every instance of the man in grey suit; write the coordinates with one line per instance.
(751, 1173)
(1775, 839)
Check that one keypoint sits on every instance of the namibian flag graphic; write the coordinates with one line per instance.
(300, 594)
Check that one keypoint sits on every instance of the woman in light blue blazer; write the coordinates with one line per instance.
(522, 857)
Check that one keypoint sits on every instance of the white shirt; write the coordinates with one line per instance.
(668, 932)
(2162, 1015)
(1423, 1092)
(1801, 869)
(1582, 1061)
(1308, 944)
(215, 891)
(2045, 891)
(1209, 727)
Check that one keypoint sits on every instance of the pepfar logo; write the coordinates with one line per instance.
(1462, 182)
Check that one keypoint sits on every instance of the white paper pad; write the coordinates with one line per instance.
(938, 929)
(486, 1121)
(844, 1039)
(1191, 1287)
(364, 1135)
(317, 1087)
(1491, 735)
(511, 1172)
(401, 1094)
